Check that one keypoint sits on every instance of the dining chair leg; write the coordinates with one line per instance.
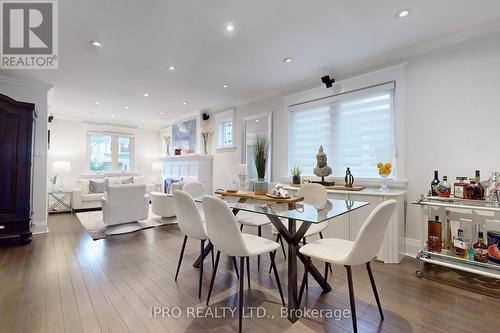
(213, 276)
(271, 266)
(374, 287)
(212, 251)
(241, 227)
(259, 233)
(240, 294)
(200, 282)
(352, 299)
(248, 271)
(304, 279)
(236, 267)
(279, 239)
(272, 255)
(326, 271)
(180, 256)
(306, 276)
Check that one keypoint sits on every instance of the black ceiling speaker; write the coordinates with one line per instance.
(327, 81)
(205, 116)
(51, 117)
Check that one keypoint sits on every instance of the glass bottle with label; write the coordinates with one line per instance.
(434, 235)
(459, 187)
(473, 190)
(434, 183)
(443, 189)
(478, 182)
(460, 244)
(480, 249)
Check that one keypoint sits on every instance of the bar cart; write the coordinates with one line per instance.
(476, 212)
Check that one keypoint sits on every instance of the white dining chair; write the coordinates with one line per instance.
(253, 220)
(314, 195)
(351, 253)
(195, 189)
(225, 235)
(191, 225)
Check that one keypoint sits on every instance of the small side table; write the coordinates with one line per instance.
(59, 202)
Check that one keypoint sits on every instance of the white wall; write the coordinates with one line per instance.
(449, 120)
(453, 116)
(36, 93)
(69, 143)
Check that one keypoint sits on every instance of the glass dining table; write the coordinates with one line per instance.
(284, 217)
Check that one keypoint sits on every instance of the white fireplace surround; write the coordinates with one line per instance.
(190, 168)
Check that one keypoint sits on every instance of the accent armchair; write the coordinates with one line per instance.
(125, 203)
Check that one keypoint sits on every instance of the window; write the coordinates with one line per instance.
(356, 130)
(109, 152)
(225, 129)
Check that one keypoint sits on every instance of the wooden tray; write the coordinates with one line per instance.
(264, 197)
(338, 187)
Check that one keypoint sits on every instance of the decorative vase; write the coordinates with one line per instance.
(260, 186)
(296, 180)
(383, 185)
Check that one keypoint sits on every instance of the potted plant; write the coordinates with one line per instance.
(296, 172)
(260, 150)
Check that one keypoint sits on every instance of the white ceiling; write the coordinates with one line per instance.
(141, 39)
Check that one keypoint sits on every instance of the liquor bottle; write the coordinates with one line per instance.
(473, 190)
(434, 183)
(480, 249)
(459, 187)
(446, 232)
(443, 189)
(459, 244)
(478, 182)
(434, 235)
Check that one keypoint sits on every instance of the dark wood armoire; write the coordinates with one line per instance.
(17, 125)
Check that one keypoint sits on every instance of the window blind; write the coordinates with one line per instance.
(356, 130)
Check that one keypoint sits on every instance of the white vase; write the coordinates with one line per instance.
(384, 185)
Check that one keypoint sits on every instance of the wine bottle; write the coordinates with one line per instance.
(434, 183)
(481, 187)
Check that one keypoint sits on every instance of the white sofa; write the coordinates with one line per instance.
(84, 199)
(124, 203)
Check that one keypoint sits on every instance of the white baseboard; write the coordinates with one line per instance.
(412, 247)
(40, 227)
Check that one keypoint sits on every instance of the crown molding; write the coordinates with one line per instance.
(372, 64)
(100, 122)
(25, 83)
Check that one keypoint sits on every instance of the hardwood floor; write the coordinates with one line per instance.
(64, 281)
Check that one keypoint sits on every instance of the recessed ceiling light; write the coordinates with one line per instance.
(403, 13)
(95, 43)
(229, 27)
(96, 103)
(126, 107)
(172, 68)
(288, 60)
(184, 103)
(162, 113)
(225, 86)
(146, 95)
(142, 120)
(112, 116)
(256, 120)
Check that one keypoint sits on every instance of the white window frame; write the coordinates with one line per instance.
(222, 118)
(114, 150)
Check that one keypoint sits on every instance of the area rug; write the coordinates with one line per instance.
(464, 280)
(95, 227)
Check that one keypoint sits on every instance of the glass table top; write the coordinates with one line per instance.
(298, 211)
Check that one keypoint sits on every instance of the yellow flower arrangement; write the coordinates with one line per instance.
(384, 169)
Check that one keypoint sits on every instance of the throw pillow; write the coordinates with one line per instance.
(127, 180)
(98, 186)
(114, 180)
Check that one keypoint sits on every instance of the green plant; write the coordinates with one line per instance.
(260, 151)
(296, 171)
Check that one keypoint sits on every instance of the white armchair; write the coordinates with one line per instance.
(125, 203)
(162, 204)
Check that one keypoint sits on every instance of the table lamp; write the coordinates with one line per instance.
(61, 167)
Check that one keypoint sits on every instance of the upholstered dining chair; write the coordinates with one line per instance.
(191, 225)
(195, 189)
(315, 195)
(226, 236)
(351, 253)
